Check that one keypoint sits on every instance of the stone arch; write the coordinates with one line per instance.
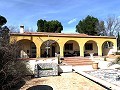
(71, 48)
(49, 48)
(107, 48)
(90, 47)
(27, 48)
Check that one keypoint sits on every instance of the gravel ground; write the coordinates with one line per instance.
(67, 81)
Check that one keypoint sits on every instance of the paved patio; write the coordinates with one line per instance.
(67, 81)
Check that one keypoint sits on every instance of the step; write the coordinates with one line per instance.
(75, 61)
(80, 64)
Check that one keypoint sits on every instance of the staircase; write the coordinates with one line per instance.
(77, 61)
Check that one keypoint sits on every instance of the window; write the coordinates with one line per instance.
(69, 46)
(88, 46)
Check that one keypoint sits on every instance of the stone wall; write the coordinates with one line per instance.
(46, 69)
(31, 63)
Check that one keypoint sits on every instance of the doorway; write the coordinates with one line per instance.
(53, 51)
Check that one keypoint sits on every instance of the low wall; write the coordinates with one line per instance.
(46, 69)
(31, 63)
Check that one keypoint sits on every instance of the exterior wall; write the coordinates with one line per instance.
(38, 40)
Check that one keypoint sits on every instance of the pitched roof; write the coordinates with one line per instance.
(59, 34)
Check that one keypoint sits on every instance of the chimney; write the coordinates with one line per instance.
(22, 29)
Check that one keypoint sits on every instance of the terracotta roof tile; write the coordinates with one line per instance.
(55, 34)
(60, 34)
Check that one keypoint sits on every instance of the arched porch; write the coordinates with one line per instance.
(27, 48)
(90, 47)
(49, 48)
(71, 48)
(107, 48)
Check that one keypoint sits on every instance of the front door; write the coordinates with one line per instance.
(53, 51)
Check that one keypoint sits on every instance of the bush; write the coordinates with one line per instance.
(12, 70)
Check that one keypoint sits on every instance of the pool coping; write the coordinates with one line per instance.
(100, 81)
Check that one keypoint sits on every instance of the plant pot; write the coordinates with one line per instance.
(95, 65)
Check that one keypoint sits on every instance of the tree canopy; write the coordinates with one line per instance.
(100, 27)
(88, 26)
(49, 26)
(2, 21)
(112, 25)
(4, 31)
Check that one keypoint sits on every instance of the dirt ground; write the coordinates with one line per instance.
(67, 81)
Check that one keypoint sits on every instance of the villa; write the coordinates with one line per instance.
(43, 44)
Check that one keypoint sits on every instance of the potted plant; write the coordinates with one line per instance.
(95, 65)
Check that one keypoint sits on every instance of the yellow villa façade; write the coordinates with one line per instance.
(43, 44)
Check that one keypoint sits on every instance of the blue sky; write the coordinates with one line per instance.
(68, 12)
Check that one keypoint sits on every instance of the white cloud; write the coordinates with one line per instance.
(118, 17)
(72, 21)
